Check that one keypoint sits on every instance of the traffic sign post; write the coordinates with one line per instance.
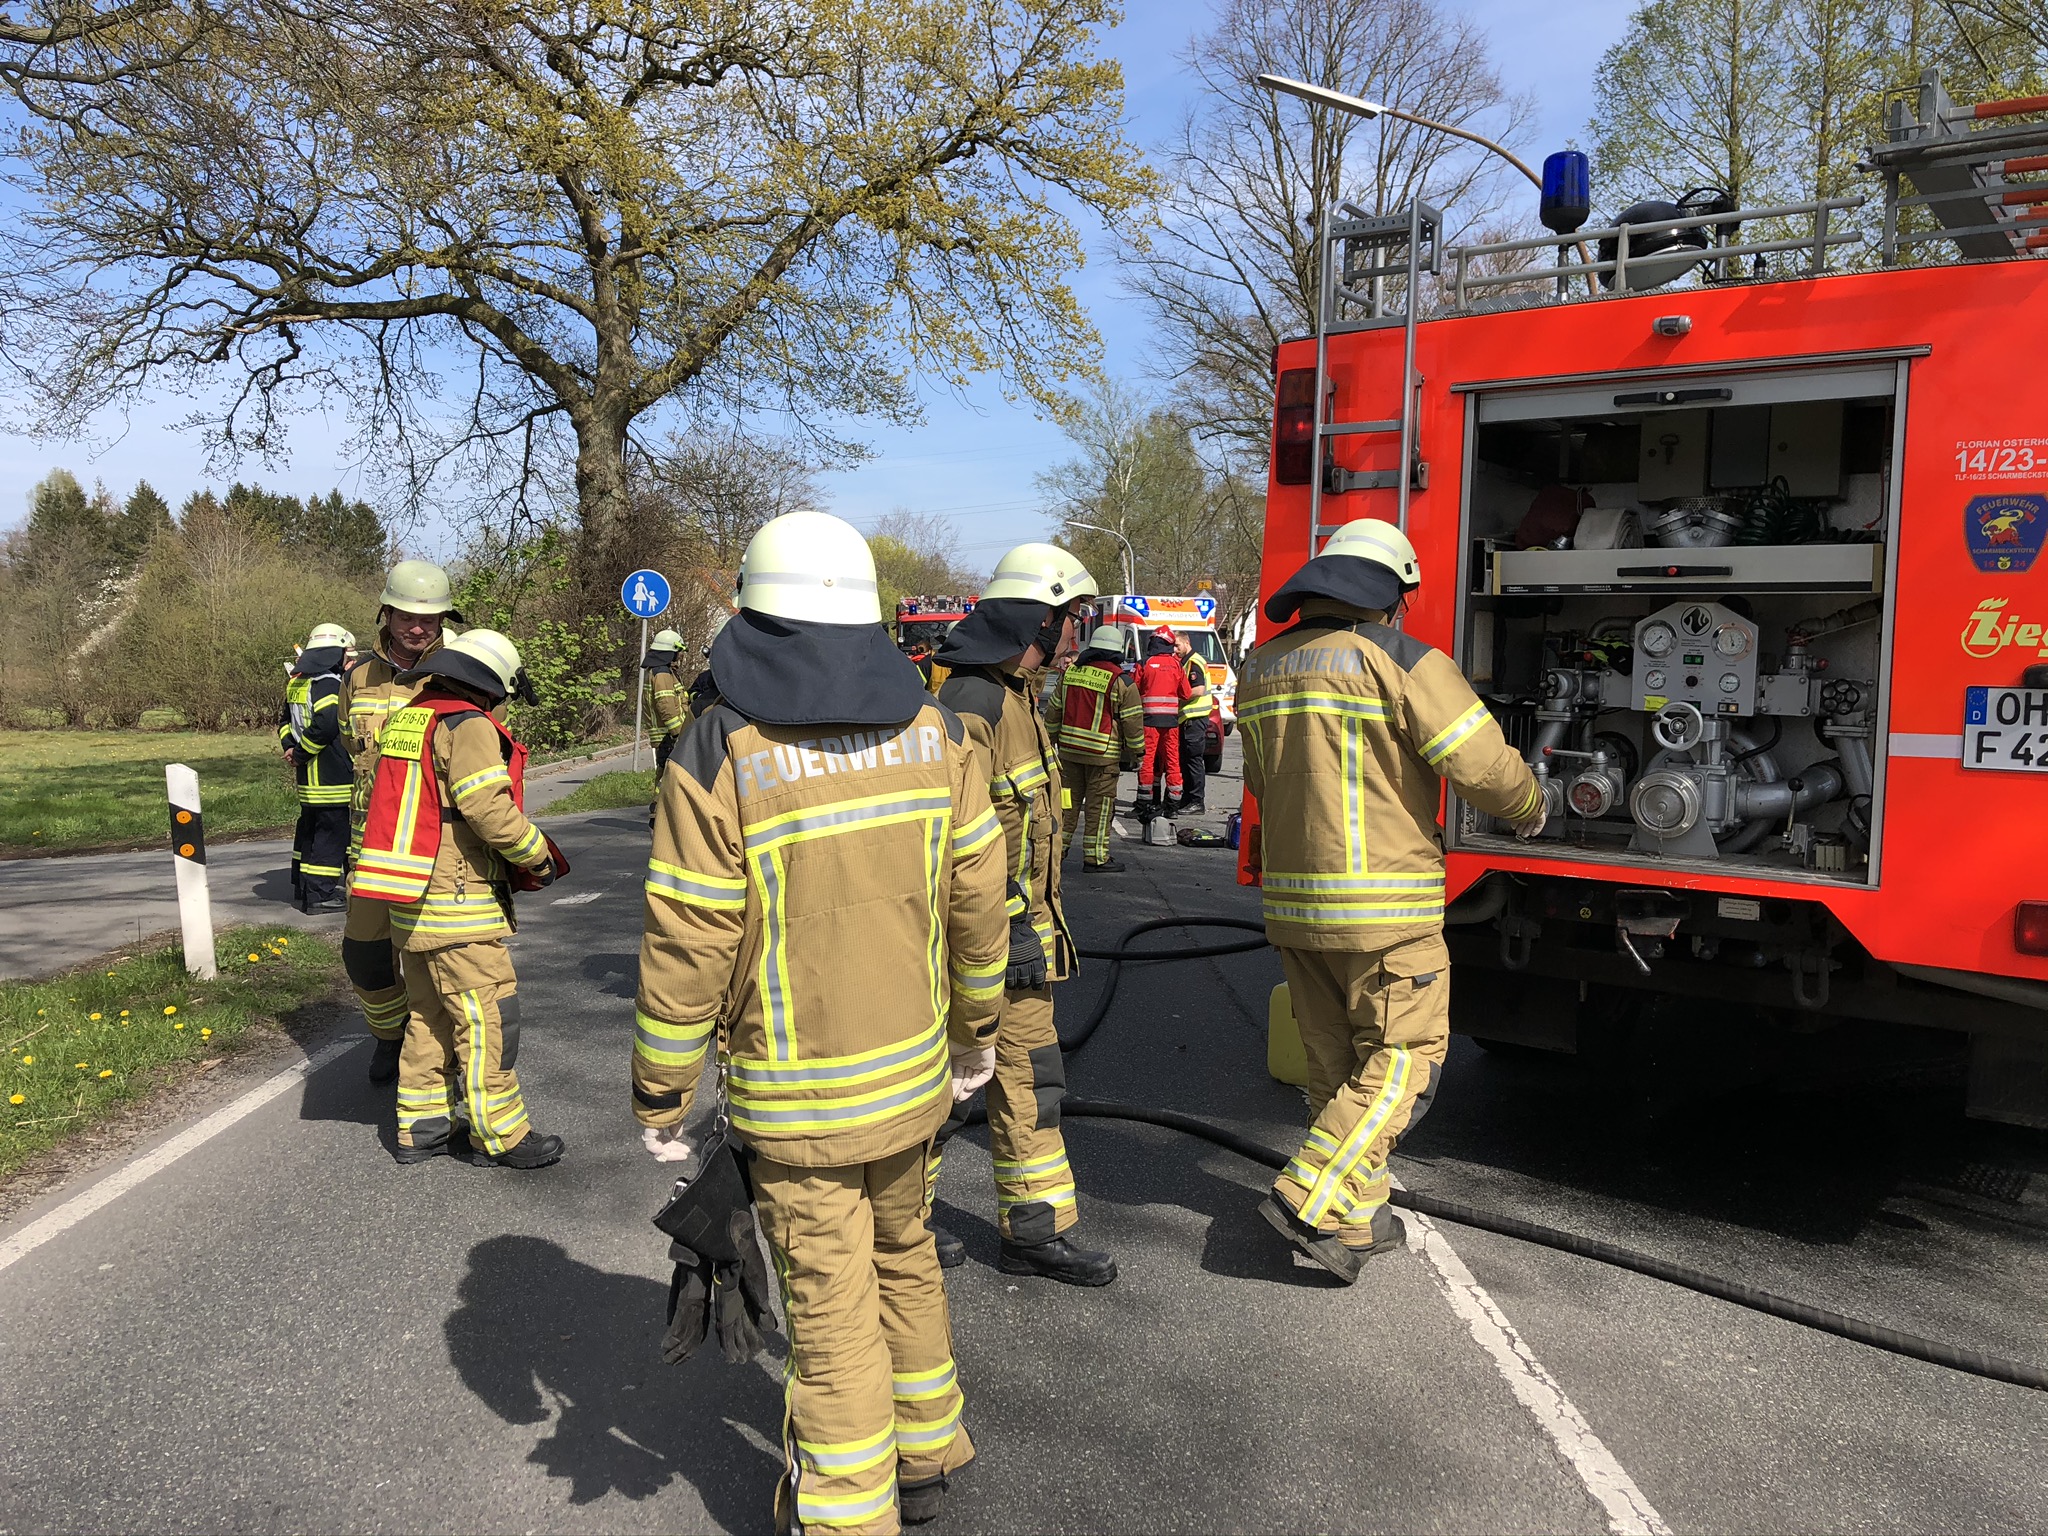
(645, 596)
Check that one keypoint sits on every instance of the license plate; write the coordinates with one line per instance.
(2006, 729)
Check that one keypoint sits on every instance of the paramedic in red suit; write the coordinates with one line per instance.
(1162, 686)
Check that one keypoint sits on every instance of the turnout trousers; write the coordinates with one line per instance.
(1092, 787)
(319, 851)
(1162, 752)
(872, 1396)
(1035, 1196)
(460, 1043)
(1194, 769)
(374, 969)
(1375, 1025)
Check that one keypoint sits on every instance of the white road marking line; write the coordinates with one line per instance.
(577, 901)
(121, 1180)
(1629, 1513)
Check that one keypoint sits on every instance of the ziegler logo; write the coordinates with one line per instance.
(1988, 631)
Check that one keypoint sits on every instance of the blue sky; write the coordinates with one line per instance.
(972, 461)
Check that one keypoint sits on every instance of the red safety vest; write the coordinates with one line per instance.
(1086, 725)
(402, 831)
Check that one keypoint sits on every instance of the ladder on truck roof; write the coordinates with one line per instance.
(1962, 162)
(1369, 261)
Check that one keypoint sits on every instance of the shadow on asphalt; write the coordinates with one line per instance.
(614, 975)
(540, 1336)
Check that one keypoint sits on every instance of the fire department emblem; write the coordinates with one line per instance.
(2005, 533)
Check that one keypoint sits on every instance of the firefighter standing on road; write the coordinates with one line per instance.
(1347, 726)
(826, 888)
(411, 623)
(1099, 728)
(666, 688)
(996, 656)
(445, 822)
(1194, 729)
(1162, 689)
(311, 733)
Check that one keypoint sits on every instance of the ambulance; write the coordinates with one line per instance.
(1137, 614)
(1735, 518)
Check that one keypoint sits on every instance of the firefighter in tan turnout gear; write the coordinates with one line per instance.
(826, 895)
(311, 734)
(444, 842)
(1099, 727)
(411, 623)
(996, 656)
(1348, 724)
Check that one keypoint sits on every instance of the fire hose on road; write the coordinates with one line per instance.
(1933, 1351)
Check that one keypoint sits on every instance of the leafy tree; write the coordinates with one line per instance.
(568, 214)
(917, 555)
(525, 588)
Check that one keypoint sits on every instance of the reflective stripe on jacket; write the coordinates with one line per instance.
(1196, 705)
(312, 726)
(1162, 685)
(833, 901)
(1014, 751)
(1347, 726)
(670, 715)
(445, 818)
(1096, 713)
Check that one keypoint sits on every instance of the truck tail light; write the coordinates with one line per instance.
(1294, 427)
(2030, 928)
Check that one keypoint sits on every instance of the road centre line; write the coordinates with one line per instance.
(116, 1184)
(1628, 1512)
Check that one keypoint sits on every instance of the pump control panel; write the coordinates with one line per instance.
(1701, 654)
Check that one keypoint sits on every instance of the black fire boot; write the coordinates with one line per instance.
(952, 1252)
(427, 1153)
(534, 1151)
(1106, 867)
(1057, 1260)
(1339, 1258)
(384, 1060)
(918, 1503)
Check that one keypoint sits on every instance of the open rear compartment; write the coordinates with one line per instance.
(1674, 598)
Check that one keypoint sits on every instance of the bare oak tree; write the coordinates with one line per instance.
(1251, 177)
(518, 226)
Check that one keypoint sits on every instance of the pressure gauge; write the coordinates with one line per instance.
(1731, 640)
(1657, 639)
(1654, 679)
(1730, 682)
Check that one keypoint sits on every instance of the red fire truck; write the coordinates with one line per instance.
(1746, 555)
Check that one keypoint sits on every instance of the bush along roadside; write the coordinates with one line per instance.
(80, 1046)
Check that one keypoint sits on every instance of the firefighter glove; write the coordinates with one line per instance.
(1027, 956)
(730, 1299)
(971, 1071)
(665, 1146)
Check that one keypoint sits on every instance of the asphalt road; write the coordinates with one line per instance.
(285, 1330)
(55, 912)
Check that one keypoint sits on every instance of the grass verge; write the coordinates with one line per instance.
(97, 789)
(80, 1046)
(606, 792)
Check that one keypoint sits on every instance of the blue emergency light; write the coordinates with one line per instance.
(1567, 191)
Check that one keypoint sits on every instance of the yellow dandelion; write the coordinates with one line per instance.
(92, 1016)
(173, 1008)
(83, 1065)
(124, 1013)
(179, 1025)
(28, 1061)
(205, 1034)
(282, 939)
(16, 1099)
(108, 1072)
(254, 956)
(110, 973)
(39, 1013)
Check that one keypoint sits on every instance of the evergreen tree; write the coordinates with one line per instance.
(145, 516)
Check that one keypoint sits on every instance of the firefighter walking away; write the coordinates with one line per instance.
(1100, 728)
(446, 831)
(826, 890)
(1348, 724)
(996, 657)
(412, 621)
(311, 732)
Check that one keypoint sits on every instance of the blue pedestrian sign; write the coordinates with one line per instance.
(645, 594)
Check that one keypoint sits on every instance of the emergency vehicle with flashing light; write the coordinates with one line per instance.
(1746, 554)
(1134, 614)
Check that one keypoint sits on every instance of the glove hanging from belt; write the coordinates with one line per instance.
(727, 1296)
(1027, 968)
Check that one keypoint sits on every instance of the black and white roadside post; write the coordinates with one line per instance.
(188, 857)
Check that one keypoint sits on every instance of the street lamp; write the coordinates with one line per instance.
(1130, 555)
(1358, 105)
